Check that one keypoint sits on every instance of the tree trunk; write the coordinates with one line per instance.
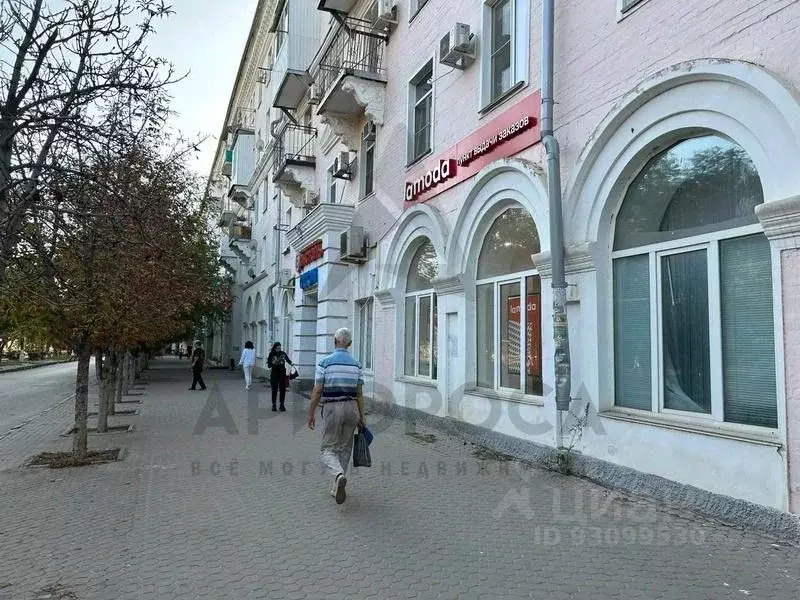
(126, 376)
(111, 384)
(81, 436)
(102, 401)
(120, 375)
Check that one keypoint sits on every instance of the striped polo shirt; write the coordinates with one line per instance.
(339, 374)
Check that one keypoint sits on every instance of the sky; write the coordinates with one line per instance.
(205, 38)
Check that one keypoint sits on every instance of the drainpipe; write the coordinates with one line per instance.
(276, 230)
(560, 330)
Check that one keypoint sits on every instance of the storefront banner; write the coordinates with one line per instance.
(510, 133)
(309, 279)
(533, 360)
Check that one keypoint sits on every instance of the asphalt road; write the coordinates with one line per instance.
(26, 394)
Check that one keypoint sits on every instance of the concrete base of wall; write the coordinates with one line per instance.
(737, 513)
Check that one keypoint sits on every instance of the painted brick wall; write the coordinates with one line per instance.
(790, 260)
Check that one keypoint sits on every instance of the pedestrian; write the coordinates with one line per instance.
(247, 361)
(276, 361)
(338, 387)
(198, 358)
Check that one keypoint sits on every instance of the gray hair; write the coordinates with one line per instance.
(343, 338)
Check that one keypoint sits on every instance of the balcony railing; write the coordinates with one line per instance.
(354, 50)
(238, 231)
(296, 147)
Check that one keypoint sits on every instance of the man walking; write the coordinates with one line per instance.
(338, 387)
(198, 358)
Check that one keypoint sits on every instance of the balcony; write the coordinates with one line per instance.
(294, 150)
(350, 79)
(336, 6)
(228, 213)
(325, 221)
(298, 30)
(240, 194)
(239, 232)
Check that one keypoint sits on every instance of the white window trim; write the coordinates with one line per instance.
(414, 8)
(410, 112)
(330, 187)
(362, 192)
(520, 45)
(417, 295)
(709, 242)
(363, 306)
(624, 15)
(499, 390)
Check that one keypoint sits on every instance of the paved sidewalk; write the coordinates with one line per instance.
(24, 366)
(219, 515)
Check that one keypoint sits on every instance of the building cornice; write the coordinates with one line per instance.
(780, 218)
(385, 297)
(577, 259)
(448, 285)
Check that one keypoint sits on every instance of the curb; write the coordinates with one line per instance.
(34, 366)
(729, 511)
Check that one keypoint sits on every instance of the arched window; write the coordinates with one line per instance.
(693, 319)
(505, 273)
(420, 314)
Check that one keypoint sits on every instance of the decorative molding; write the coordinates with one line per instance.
(781, 219)
(577, 259)
(324, 218)
(448, 285)
(295, 181)
(369, 94)
(385, 297)
(344, 126)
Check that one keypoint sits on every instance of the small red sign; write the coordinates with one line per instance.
(533, 332)
(309, 254)
(507, 135)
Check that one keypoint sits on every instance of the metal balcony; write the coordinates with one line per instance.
(227, 214)
(239, 232)
(295, 149)
(356, 50)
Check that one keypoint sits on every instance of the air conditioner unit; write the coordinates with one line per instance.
(314, 94)
(260, 145)
(384, 14)
(341, 166)
(251, 272)
(457, 47)
(353, 245)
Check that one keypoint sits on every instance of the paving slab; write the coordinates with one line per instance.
(232, 503)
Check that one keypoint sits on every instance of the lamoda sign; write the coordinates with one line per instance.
(443, 171)
(508, 134)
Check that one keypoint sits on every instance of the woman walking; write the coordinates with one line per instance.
(277, 360)
(247, 361)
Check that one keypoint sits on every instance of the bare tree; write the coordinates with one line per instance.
(68, 69)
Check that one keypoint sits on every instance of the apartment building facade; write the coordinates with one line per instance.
(393, 180)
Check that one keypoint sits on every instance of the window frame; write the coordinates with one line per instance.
(411, 123)
(367, 147)
(497, 281)
(433, 339)
(710, 242)
(366, 335)
(414, 8)
(623, 11)
(330, 188)
(520, 59)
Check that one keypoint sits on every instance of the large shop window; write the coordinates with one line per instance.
(693, 318)
(420, 314)
(509, 339)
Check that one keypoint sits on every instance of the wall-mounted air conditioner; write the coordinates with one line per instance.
(314, 94)
(342, 168)
(457, 47)
(383, 15)
(353, 245)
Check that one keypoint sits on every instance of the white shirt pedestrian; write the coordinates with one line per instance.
(247, 361)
